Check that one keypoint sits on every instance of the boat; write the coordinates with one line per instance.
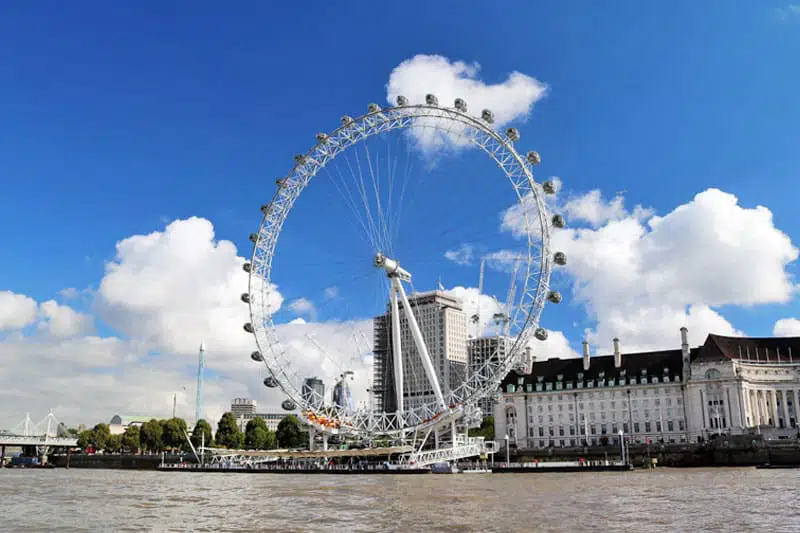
(444, 468)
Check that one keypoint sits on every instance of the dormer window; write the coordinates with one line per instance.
(622, 372)
(644, 371)
(666, 370)
(560, 377)
(539, 379)
(580, 375)
(602, 374)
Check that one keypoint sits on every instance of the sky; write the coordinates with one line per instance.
(138, 141)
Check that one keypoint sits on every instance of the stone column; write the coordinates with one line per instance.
(785, 408)
(774, 408)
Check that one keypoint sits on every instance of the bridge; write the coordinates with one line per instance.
(45, 433)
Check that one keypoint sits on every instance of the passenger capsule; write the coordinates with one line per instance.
(248, 327)
(322, 138)
(558, 221)
(540, 334)
(374, 108)
(265, 209)
(280, 182)
(288, 405)
(533, 158)
(253, 238)
(301, 159)
(245, 298)
(560, 258)
(347, 120)
(487, 116)
(431, 99)
(401, 101)
(461, 105)
(247, 267)
(512, 134)
(256, 356)
(554, 297)
(270, 382)
(549, 187)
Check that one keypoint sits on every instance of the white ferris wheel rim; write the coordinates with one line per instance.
(352, 131)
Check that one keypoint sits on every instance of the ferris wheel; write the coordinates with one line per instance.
(422, 374)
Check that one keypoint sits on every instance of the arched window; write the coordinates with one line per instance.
(713, 373)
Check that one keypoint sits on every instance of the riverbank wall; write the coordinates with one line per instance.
(118, 461)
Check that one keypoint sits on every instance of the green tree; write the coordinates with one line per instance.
(174, 432)
(271, 441)
(256, 434)
(486, 430)
(114, 444)
(85, 438)
(100, 436)
(130, 439)
(228, 433)
(201, 434)
(151, 436)
(290, 434)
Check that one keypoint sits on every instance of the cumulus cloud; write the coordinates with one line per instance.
(16, 311)
(303, 306)
(331, 293)
(641, 276)
(509, 100)
(462, 255)
(787, 13)
(62, 321)
(787, 327)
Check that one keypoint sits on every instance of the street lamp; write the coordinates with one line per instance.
(507, 454)
(622, 446)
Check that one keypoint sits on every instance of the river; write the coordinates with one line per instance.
(669, 500)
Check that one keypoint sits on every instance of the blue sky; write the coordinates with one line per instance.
(117, 119)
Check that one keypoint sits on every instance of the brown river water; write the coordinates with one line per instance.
(670, 500)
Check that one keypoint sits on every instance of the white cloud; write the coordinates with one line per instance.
(787, 327)
(16, 311)
(331, 293)
(303, 306)
(414, 78)
(462, 255)
(642, 277)
(556, 345)
(70, 293)
(787, 13)
(62, 321)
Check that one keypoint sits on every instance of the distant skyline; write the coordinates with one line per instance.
(139, 140)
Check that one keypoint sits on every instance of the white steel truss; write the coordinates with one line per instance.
(462, 447)
(522, 320)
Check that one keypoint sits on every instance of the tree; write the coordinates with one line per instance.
(486, 430)
(201, 434)
(228, 433)
(256, 434)
(271, 441)
(113, 443)
(100, 436)
(85, 439)
(174, 432)
(151, 436)
(290, 434)
(130, 439)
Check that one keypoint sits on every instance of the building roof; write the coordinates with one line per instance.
(763, 349)
(123, 420)
(653, 363)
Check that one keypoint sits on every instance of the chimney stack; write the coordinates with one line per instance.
(684, 337)
(586, 355)
(617, 354)
(687, 368)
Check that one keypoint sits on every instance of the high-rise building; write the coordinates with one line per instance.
(242, 407)
(485, 355)
(444, 329)
(314, 392)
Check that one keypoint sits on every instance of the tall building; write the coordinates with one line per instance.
(731, 385)
(314, 392)
(242, 407)
(485, 355)
(244, 410)
(444, 329)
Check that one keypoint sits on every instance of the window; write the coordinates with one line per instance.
(538, 387)
(559, 385)
(670, 426)
(569, 385)
(592, 429)
(541, 431)
(713, 373)
(680, 425)
(636, 427)
(548, 386)
(658, 426)
(529, 387)
(511, 388)
(625, 427)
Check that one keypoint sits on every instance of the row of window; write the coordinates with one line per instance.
(646, 427)
(600, 383)
(613, 415)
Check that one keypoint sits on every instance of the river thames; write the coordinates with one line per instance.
(736, 500)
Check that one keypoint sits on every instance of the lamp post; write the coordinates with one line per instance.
(622, 446)
(507, 453)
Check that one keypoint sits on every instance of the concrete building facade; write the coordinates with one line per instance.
(681, 395)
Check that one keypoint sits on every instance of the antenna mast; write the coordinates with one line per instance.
(201, 363)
